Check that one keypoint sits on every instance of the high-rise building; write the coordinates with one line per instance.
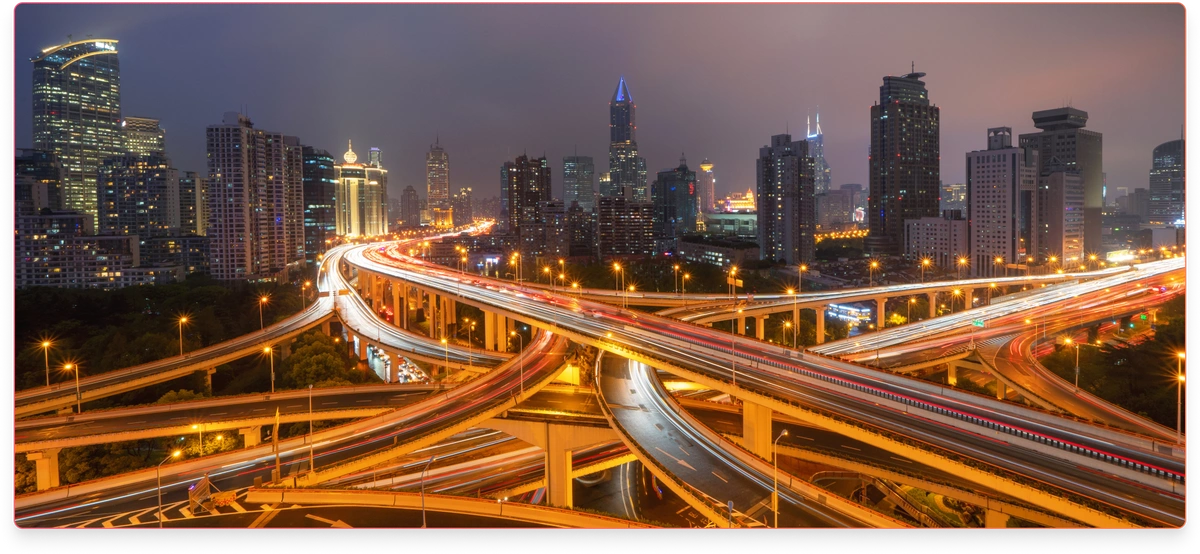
(1136, 203)
(527, 189)
(39, 181)
(193, 204)
(1002, 205)
(625, 167)
(954, 197)
(77, 113)
(905, 169)
(942, 240)
(138, 195)
(1061, 216)
(143, 136)
(676, 204)
(606, 186)
(320, 202)
(255, 201)
(706, 183)
(410, 207)
(462, 205)
(834, 210)
(581, 228)
(786, 215)
(556, 237)
(579, 181)
(624, 227)
(1166, 183)
(437, 176)
(822, 175)
(361, 196)
(739, 203)
(59, 249)
(1064, 145)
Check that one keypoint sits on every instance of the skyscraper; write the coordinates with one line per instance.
(527, 189)
(361, 195)
(437, 177)
(193, 204)
(1061, 217)
(410, 207)
(255, 201)
(579, 181)
(1002, 204)
(77, 113)
(1166, 183)
(786, 215)
(143, 136)
(904, 167)
(706, 185)
(462, 207)
(320, 202)
(676, 208)
(625, 167)
(1064, 145)
(822, 176)
(624, 227)
(138, 195)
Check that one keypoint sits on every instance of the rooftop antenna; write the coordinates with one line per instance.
(70, 38)
(914, 66)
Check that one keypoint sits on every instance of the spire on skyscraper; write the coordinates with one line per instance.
(350, 156)
(622, 92)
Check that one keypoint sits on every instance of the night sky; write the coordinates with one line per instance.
(708, 81)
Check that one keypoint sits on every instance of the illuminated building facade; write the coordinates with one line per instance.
(77, 113)
(786, 214)
(437, 177)
(255, 201)
(320, 202)
(905, 167)
(625, 167)
(822, 175)
(361, 196)
(143, 136)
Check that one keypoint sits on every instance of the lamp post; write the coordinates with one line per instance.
(46, 354)
(686, 276)
(446, 351)
(911, 301)
(795, 314)
(775, 457)
(520, 358)
(954, 296)
(733, 347)
(1179, 380)
(874, 266)
(312, 468)
(924, 264)
(158, 475)
(788, 325)
(962, 262)
(182, 320)
(629, 290)
(78, 397)
(999, 261)
(800, 278)
(990, 288)
(733, 281)
(304, 294)
(676, 268)
(1068, 341)
(423, 470)
(618, 278)
(262, 301)
(200, 427)
(271, 356)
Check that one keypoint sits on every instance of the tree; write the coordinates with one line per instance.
(181, 395)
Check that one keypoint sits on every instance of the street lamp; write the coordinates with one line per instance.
(924, 264)
(618, 278)
(312, 468)
(200, 427)
(546, 272)
(911, 301)
(158, 475)
(262, 301)
(795, 314)
(1179, 380)
(871, 272)
(733, 281)
(631, 289)
(775, 457)
(962, 262)
(78, 397)
(520, 357)
(800, 278)
(1000, 260)
(446, 349)
(269, 352)
(686, 276)
(954, 296)
(46, 354)
(182, 321)
(304, 294)
(676, 268)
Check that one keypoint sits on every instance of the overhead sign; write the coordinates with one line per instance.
(977, 323)
(732, 281)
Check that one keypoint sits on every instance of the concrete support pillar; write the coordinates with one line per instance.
(353, 347)
(46, 465)
(739, 325)
(490, 324)
(968, 296)
(251, 436)
(756, 429)
(362, 348)
(397, 311)
(995, 520)
(820, 310)
(208, 373)
(1001, 390)
(880, 313)
(932, 304)
(558, 469)
(325, 328)
(285, 350)
(952, 374)
(760, 327)
(451, 309)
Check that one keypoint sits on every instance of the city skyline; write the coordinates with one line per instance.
(680, 110)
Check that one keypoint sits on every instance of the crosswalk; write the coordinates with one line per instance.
(174, 511)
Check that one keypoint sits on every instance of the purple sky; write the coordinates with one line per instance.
(715, 81)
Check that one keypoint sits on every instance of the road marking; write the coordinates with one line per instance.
(135, 422)
(805, 438)
(174, 418)
(681, 462)
(364, 400)
(237, 507)
(328, 403)
(851, 448)
(258, 409)
(219, 413)
(339, 524)
(719, 477)
(264, 519)
(267, 507)
(900, 459)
